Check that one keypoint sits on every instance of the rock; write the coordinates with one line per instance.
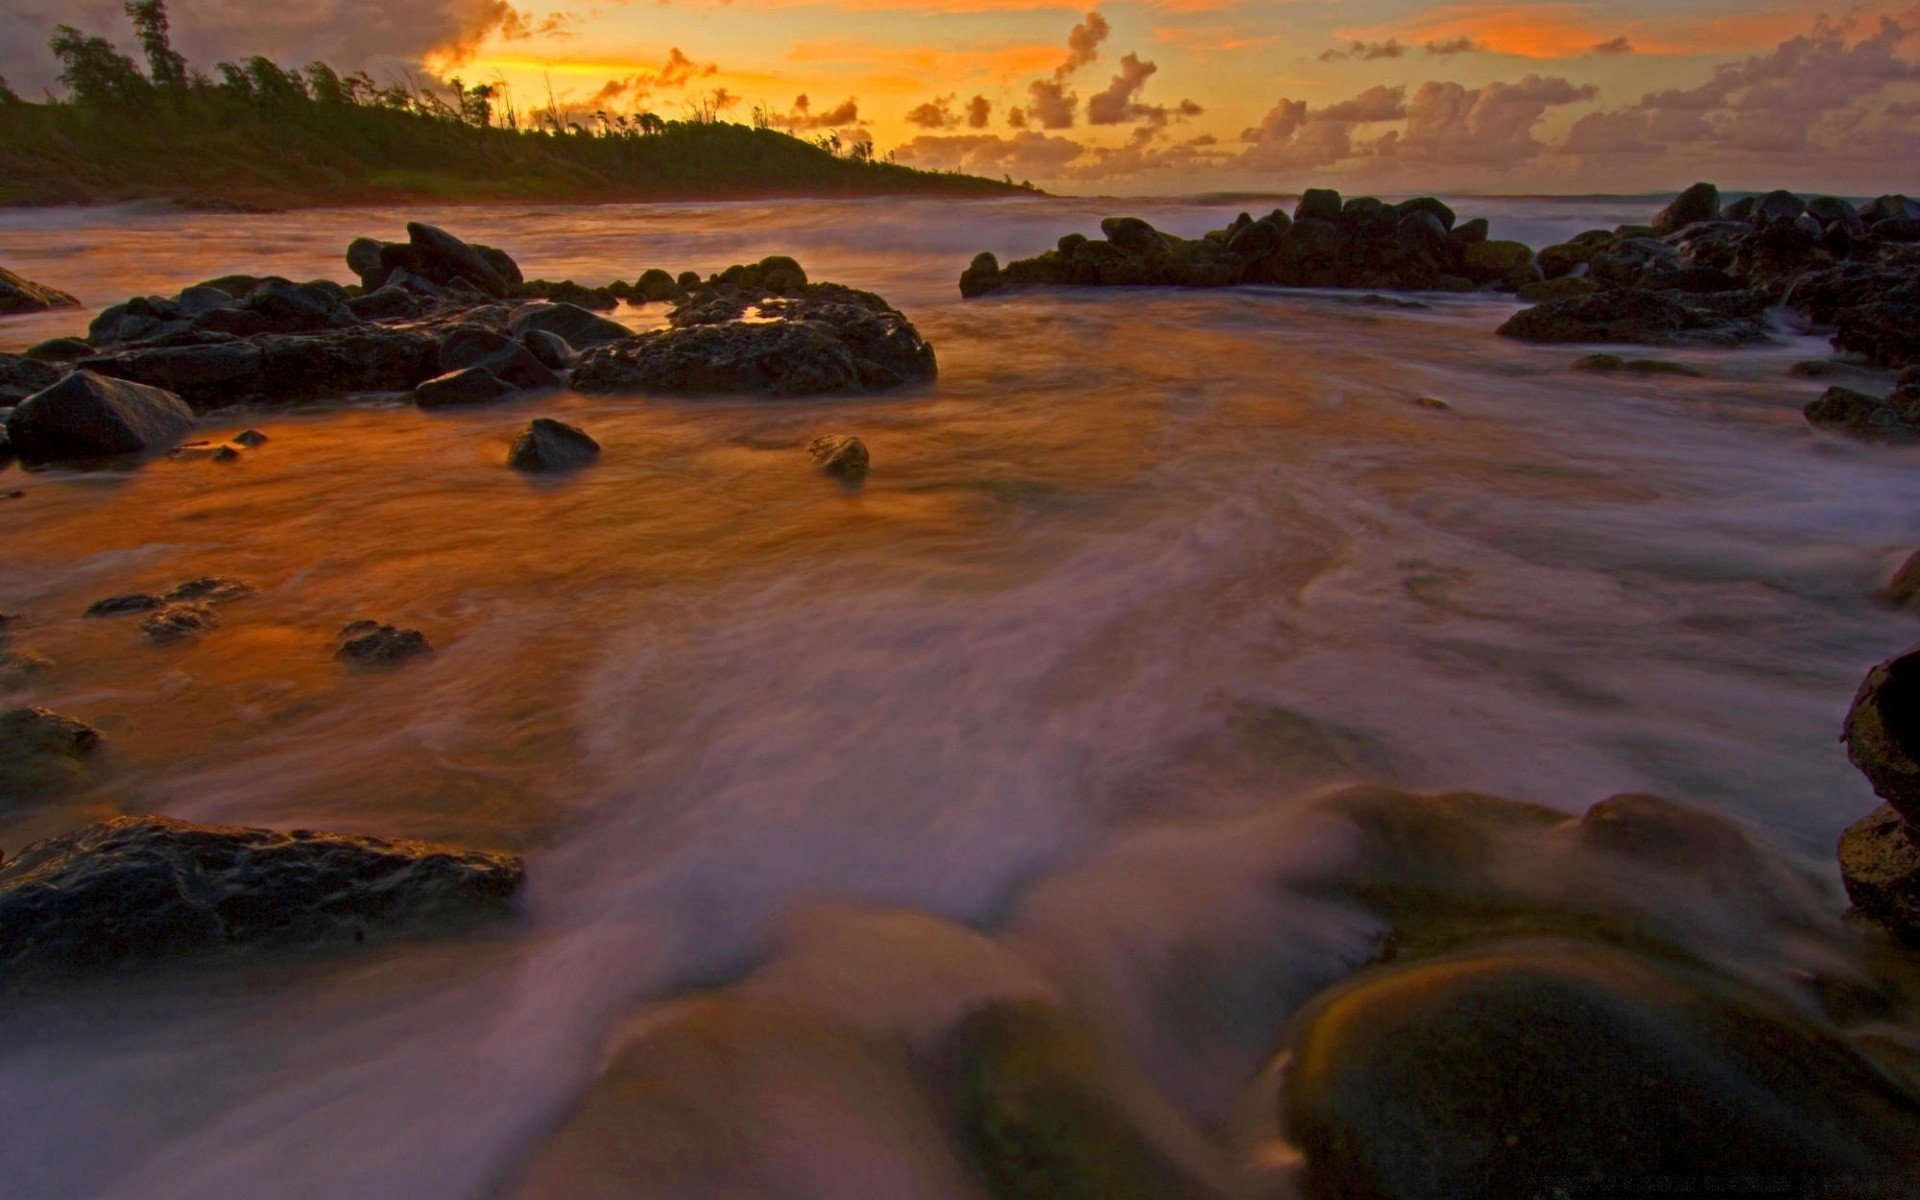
(363, 259)
(840, 455)
(473, 385)
(826, 339)
(1466, 233)
(1320, 204)
(1880, 866)
(1422, 233)
(140, 891)
(1883, 732)
(384, 304)
(283, 368)
(1886, 332)
(21, 377)
(1701, 202)
(1488, 262)
(550, 349)
(1890, 208)
(1828, 209)
(603, 299)
(19, 295)
(1636, 317)
(59, 350)
(981, 276)
(1427, 204)
(1904, 588)
(86, 415)
(477, 346)
(1566, 287)
(1432, 403)
(250, 438)
(370, 644)
(443, 258)
(42, 754)
(1132, 234)
(212, 589)
(118, 606)
(569, 322)
(1608, 363)
(1548, 1069)
(178, 622)
(18, 667)
(549, 445)
(656, 285)
(1894, 418)
(225, 454)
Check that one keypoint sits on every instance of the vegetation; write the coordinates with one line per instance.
(261, 134)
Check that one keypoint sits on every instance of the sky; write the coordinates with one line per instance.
(1168, 96)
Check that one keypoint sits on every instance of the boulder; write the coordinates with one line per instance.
(120, 606)
(43, 754)
(443, 258)
(569, 322)
(656, 285)
(981, 276)
(1889, 208)
(19, 295)
(1495, 261)
(549, 349)
(1544, 1069)
(1886, 332)
(371, 644)
(1466, 233)
(1701, 202)
(1883, 732)
(1894, 418)
(385, 303)
(1132, 234)
(87, 415)
(458, 389)
(1775, 208)
(363, 259)
(840, 455)
(550, 445)
(250, 438)
(1638, 317)
(283, 368)
(178, 623)
(478, 346)
(22, 375)
(59, 350)
(1880, 866)
(1427, 204)
(141, 891)
(1321, 204)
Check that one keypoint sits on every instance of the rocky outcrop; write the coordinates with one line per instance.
(1891, 418)
(139, 891)
(21, 376)
(1880, 853)
(1326, 242)
(1639, 317)
(19, 295)
(371, 644)
(43, 753)
(281, 368)
(758, 331)
(432, 254)
(574, 325)
(1543, 1069)
(1880, 865)
(550, 445)
(88, 415)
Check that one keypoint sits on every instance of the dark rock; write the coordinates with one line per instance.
(293, 308)
(59, 350)
(1491, 262)
(43, 754)
(222, 372)
(1427, 204)
(1432, 403)
(571, 323)
(1883, 732)
(1562, 1069)
(384, 304)
(1894, 418)
(1566, 287)
(1776, 207)
(508, 360)
(87, 415)
(137, 891)
(828, 339)
(178, 622)
(1698, 281)
(1320, 204)
(1466, 233)
(212, 589)
(1898, 229)
(1610, 363)
(549, 445)
(1635, 317)
(233, 322)
(1422, 233)
(201, 299)
(1739, 210)
(1132, 234)
(21, 376)
(116, 606)
(1880, 866)
(1828, 209)
(370, 644)
(566, 291)
(363, 259)
(284, 368)
(250, 438)
(549, 349)
(225, 454)
(1887, 333)
(1889, 208)
(1701, 202)
(981, 276)
(472, 385)
(1566, 258)
(841, 455)
(19, 295)
(656, 285)
(443, 258)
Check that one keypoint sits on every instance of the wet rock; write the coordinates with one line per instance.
(1566, 287)
(211, 589)
(1635, 317)
(1904, 588)
(59, 350)
(385, 303)
(1557, 1069)
(86, 415)
(566, 291)
(1887, 332)
(363, 259)
(178, 623)
(1893, 418)
(574, 325)
(1701, 202)
(1493, 261)
(283, 368)
(443, 258)
(550, 349)
(140, 891)
(19, 667)
(1432, 403)
(550, 445)
(478, 346)
(1883, 732)
(21, 376)
(1320, 204)
(840, 455)
(655, 285)
(43, 753)
(457, 389)
(250, 438)
(18, 295)
(1613, 363)
(824, 339)
(1880, 867)
(118, 606)
(980, 277)
(225, 454)
(1777, 207)
(371, 644)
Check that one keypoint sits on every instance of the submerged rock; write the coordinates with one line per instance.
(88, 416)
(283, 368)
(550, 445)
(118, 606)
(841, 455)
(42, 754)
(571, 323)
(1639, 317)
(1605, 364)
(18, 295)
(211, 589)
(1892, 418)
(1880, 866)
(178, 622)
(459, 389)
(1883, 732)
(371, 644)
(1543, 1069)
(143, 890)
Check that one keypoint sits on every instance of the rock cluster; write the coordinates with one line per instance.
(1880, 853)
(1328, 242)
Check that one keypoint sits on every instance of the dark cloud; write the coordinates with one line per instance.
(934, 114)
(979, 112)
(1452, 46)
(802, 118)
(1083, 45)
(1619, 45)
(1366, 51)
(1023, 155)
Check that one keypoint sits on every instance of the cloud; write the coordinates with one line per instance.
(635, 90)
(1083, 45)
(1447, 47)
(844, 115)
(1366, 51)
(1023, 155)
(979, 112)
(934, 114)
(1050, 105)
(1619, 45)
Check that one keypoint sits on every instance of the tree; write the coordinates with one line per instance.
(165, 66)
(96, 74)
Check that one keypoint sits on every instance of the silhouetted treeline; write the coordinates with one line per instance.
(257, 132)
